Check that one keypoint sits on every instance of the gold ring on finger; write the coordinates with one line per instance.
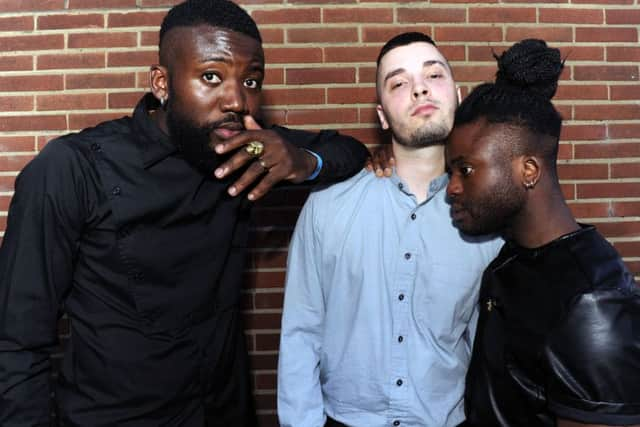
(254, 148)
(263, 164)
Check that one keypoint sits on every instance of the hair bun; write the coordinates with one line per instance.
(530, 65)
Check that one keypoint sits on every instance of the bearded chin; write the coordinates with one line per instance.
(193, 142)
(424, 137)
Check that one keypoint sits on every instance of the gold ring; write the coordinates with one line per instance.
(263, 164)
(254, 148)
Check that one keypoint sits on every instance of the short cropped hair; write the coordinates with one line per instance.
(216, 13)
(403, 40)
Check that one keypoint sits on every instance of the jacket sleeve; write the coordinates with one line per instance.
(300, 402)
(36, 260)
(342, 156)
(594, 359)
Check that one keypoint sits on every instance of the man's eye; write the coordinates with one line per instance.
(211, 78)
(252, 84)
(435, 75)
(466, 170)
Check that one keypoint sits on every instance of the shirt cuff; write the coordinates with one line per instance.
(318, 168)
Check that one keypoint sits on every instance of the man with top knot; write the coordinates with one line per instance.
(558, 339)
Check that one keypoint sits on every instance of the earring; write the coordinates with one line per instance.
(162, 101)
(529, 185)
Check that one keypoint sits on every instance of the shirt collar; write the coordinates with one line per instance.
(435, 186)
(155, 144)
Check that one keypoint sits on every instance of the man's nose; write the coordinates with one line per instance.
(233, 98)
(420, 90)
(453, 187)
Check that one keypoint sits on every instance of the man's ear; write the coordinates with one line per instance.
(382, 117)
(531, 171)
(159, 82)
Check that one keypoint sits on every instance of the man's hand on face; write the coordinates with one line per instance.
(279, 160)
(381, 161)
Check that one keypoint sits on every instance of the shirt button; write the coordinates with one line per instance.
(399, 383)
(95, 146)
(115, 191)
(400, 186)
(400, 338)
(413, 216)
(407, 256)
(396, 423)
(401, 297)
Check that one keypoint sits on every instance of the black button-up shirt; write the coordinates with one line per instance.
(145, 255)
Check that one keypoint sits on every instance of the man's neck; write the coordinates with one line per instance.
(417, 167)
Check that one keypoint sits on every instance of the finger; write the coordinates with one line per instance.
(236, 161)
(263, 187)
(253, 172)
(250, 123)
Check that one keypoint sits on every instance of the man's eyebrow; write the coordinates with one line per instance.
(216, 59)
(436, 62)
(455, 160)
(393, 73)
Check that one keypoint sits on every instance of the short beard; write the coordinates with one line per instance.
(425, 137)
(194, 141)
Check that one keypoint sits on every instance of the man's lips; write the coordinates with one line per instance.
(227, 130)
(458, 212)
(424, 110)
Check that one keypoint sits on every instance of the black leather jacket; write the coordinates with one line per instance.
(558, 336)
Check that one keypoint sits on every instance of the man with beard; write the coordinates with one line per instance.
(126, 229)
(558, 340)
(380, 294)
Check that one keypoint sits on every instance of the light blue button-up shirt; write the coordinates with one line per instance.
(380, 308)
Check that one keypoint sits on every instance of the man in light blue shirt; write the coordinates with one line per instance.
(381, 290)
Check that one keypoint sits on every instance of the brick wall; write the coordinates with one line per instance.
(68, 64)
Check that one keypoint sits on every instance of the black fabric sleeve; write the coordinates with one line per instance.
(594, 359)
(342, 155)
(36, 264)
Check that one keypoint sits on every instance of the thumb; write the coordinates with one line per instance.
(250, 123)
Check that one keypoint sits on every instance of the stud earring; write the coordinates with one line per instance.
(529, 185)
(162, 101)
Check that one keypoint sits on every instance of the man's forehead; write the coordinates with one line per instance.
(416, 54)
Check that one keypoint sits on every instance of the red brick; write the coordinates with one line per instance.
(16, 143)
(583, 132)
(619, 229)
(7, 183)
(106, 40)
(265, 300)
(268, 401)
(582, 92)
(606, 150)
(16, 103)
(620, 131)
(149, 38)
(351, 54)
(139, 58)
(474, 73)
(135, 19)
(16, 23)
(293, 96)
(318, 116)
(281, 55)
(100, 4)
(32, 123)
(320, 75)
(265, 279)
(70, 61)
(272, 35)
(270, 239)
(350, 95)
(288, 15)
(571, 16)
(607, 112)
(466, 33)
(606, 72)
(600, 34)
(608, 190)
(452, 53)
(582, 53)
(583, 171)
(274, 76)
(156, 3)
(3, 223)
(502, 14)
(322, 1)
(35, 42)
(628, 249)
(30, 83)
(268, 259)
(57, 22)
(602, 1)
(267, 381)
(16, 63)
(14, 163)
(124, 99)
(262, 320)
(623, 53)
(66, 102)
(624, 209)
(347, 15)
(367, 75)
(590, 209)
(142, 79)
(102, 80)
(4, 207)
(550, 34)
(625, 170)
(565, 151)
(30, 5)
(81, 121)
(380, 35)
(623, 16)
(431, 15)
(322, 35)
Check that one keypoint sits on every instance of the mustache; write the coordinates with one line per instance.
(229, 120)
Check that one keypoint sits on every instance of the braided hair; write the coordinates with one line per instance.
(526, 81)
(216, 13)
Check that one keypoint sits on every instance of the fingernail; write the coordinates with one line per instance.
(219, 172)
(232, 191)
(218, 148)
(251, 196)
